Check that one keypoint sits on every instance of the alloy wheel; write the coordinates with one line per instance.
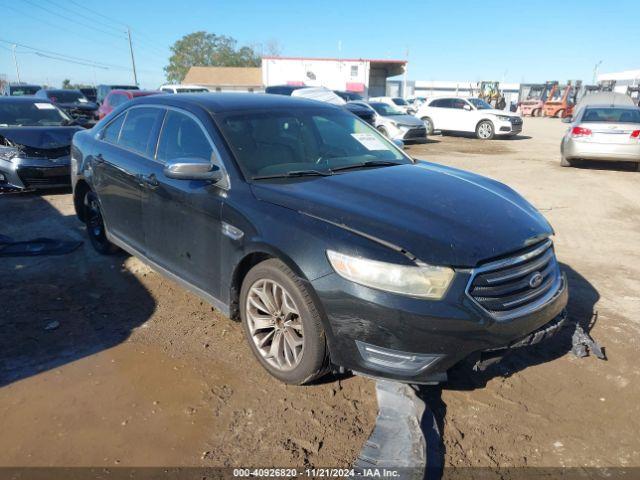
(274, 324)
(485, 130)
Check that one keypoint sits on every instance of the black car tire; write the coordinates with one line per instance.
(95, 225)
(429, 124)
(485, 124)
(314, 362)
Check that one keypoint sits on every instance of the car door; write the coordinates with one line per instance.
(121, 158)
(459, 118)
(439, 111)
(182, 218)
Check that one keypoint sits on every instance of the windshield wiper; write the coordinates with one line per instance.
(370, 163)
(295, 173)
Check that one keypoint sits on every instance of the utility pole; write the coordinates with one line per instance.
(595, 71)
(15, 61)
(406, 67)
(133, 61)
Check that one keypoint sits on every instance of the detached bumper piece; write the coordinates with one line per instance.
(397, 444)
(487, 358)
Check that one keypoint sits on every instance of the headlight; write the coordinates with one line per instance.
(7, 153)
(504, 118)
(421, 280)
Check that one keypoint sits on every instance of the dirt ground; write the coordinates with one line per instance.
(103, 362)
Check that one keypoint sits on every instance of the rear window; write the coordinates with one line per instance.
(37, 114)
(21, 90)
(611, 115)
(66, 96)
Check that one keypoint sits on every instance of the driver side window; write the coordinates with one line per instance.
(182, 137)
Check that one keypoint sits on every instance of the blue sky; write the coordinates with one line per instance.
(456, 40)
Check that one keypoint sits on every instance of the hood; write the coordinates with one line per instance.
(441, 215)
(494, 111)
(40, 137)
(406, 120)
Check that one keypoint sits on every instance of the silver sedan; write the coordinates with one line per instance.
(603, 132)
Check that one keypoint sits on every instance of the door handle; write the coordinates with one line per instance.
(150, 181)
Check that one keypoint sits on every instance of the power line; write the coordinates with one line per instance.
(91, 19)
(90, 27)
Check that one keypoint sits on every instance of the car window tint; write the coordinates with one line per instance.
(457, 103)
(138, 129)
(182, 137)
(112, 131)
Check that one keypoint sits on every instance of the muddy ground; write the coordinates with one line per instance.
(104, 362)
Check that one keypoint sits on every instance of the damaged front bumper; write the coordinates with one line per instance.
(35, 172)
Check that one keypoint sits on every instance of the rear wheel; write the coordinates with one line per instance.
(565, 163)
(95, 225)
(282, 323)
(485, 130)
(429, 124)
(560, 114)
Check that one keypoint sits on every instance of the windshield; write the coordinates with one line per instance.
(22, 114)
(66, 96)
(385, 110)
(612, 115)
(21, 90)
(399, 101)
(282, 142)
(479, 104)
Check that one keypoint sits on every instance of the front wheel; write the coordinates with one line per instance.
(95, 225)
(484, 130)
(282, 323)
(428, 124)
(383, 131)
(564, 162)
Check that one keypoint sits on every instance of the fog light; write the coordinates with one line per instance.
(395, 360)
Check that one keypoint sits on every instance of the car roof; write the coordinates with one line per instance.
(25, 99)
(608, 105)
(229, 102)
(135, 93)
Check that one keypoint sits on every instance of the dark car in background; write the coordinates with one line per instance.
(74, 103)
(349, 96)
(35, 143)
(19, 89)
(331, 245)
(89, 92)
(103, 91)
(282, 89)
(115, 98)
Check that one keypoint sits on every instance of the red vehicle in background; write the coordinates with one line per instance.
(115, 98)
(532, 104)
(561, 102)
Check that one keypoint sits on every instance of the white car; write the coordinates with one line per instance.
(471, 115)
(396, 125)
(396, 102)
(183, 89)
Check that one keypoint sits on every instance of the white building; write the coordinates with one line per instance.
(623, 79)
(438, 88)
(364, 76)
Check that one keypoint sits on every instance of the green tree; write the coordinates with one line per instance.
(204, 49)
(66, 84)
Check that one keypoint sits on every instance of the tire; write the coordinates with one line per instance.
(95, 225)
(383, 131)
(429, 124)
(565, 163)
(536, 113)
(485, 130)
(295, 320)
(560, 114)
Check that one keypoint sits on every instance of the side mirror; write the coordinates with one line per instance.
(567, 119)
(467, 108)
(398, 143)
(192, 168)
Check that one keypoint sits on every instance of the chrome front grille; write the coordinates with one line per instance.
(516, 285)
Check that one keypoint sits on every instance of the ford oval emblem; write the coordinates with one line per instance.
(536, 280)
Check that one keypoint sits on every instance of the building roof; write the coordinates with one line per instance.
(225, 76)
(625, 75)
(370, 60)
